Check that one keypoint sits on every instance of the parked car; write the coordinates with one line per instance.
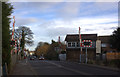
(32, 58)
(24, 57)
(35, 57)
(41, 58)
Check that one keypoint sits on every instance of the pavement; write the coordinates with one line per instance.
(22, 68)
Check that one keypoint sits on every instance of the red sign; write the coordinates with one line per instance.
(86, 43)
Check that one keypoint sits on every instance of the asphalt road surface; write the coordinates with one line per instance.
(46, 67)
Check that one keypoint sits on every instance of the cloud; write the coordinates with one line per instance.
(59, 31)
(92, 21)
(60, 27)
(97, 8)
(68, 10)
(64, 10)
(105, 6)
(25, 21)
(36, 0)
(30, 7)
(64, 0)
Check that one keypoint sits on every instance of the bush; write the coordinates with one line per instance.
(90, 62)
(114, 63)
(63, 52)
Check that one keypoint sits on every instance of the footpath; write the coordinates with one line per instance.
(22, 68)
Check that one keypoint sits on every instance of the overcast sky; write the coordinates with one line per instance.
(48, 20)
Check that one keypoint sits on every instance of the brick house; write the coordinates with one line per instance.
(73, 47)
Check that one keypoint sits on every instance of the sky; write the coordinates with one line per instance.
(48, 20)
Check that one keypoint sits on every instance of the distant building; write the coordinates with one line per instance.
(107, 51)
(73, 47)
(105, 44)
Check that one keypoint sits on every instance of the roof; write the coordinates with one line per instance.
(75, 37)
(104, 39)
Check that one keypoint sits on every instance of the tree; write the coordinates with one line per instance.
(52, 54)
(41, 44)
(7, 9)
(42, 48)
(53, 42)
(26, 35)
(115, 39)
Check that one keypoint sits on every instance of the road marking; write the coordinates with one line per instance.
(83, 73)
(54, 64)
(80, 72)
(32, 69)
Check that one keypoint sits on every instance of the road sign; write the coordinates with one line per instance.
(86, 43)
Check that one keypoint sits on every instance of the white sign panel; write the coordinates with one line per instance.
(98, 46)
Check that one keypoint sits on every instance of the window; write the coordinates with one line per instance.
(71, 44)
(78, 44)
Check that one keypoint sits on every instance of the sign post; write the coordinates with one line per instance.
(80, 46)
(86, 44)
(86, 55)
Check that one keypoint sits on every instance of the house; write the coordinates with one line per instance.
(106, 48)
(73, 47)
(105, 44)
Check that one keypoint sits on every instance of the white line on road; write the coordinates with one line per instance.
(80, 72)
(54, 64)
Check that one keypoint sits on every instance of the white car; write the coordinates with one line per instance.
(41, 58)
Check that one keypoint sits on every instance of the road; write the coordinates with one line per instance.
(46, 67)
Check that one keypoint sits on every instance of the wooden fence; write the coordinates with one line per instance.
(113, 55)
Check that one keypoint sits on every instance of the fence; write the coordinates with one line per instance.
(113, 55)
